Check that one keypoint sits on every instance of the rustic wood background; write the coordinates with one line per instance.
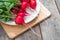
(48, 29)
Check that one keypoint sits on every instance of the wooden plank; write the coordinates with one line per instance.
(29, 35)
(3, 35)
(14, 31)
(58, 4)
(51, 27)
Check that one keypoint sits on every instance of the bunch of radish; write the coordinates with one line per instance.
(21, 13)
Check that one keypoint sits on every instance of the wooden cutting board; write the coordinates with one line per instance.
(14, 31)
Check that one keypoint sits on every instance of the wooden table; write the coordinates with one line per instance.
(49, 29)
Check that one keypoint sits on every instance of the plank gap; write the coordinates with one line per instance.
(57, 6)
(40, 32)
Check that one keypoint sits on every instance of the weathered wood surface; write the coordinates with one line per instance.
(58, 4)
(29, 35)
(50, 28)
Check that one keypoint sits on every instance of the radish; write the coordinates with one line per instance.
(21, 10)
(19, 20)
(24, 5)
(14, 11)
(22, 14)
(33, 4)
(24, 0)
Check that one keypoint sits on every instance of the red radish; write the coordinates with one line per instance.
(32, 0)
(24, 5)
(19, 20)
(22, 14)
(24, 0)
(14, 11)
(20, 10)
(27, 14)
(33, 4)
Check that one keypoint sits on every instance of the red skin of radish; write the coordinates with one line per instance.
(24, 0)
(24, 5)
(14, 11)
(32, 0)
(21, 10)
(33, 4)
(19, 20)
(23, 14)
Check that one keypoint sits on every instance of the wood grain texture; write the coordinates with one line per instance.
(29, 35)
(51, 27)
(3, 35)
(14, 31)
(57, 2)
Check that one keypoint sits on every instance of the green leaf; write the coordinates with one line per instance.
(13, 1)
(1, 11)
(5, 7)
(10, 6)
(4, 0)
(2, 5)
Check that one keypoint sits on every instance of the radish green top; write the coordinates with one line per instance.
(5, 7)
